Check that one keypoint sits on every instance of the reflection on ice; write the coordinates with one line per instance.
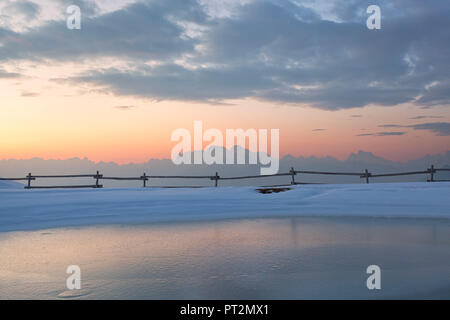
(259, 259)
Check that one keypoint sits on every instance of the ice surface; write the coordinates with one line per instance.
(286, 258)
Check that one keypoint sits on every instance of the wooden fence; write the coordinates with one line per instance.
(366, 175)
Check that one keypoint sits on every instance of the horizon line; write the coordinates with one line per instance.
(247, 150)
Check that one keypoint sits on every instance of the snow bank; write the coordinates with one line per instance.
(10, 184)
(39, 209)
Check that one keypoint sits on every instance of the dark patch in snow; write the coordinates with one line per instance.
(272, 190)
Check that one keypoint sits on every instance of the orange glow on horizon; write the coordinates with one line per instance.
(61, 126)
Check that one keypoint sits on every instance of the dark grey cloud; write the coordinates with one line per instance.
(316, 130)
(275, 51)
(176, 82)
(440, 128)
(390, 133)
(382, 134)
(391, 126)
(438, 94)
(139, 31)
(425, 117)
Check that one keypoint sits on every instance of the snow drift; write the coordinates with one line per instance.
(39, 209)
(10, 184)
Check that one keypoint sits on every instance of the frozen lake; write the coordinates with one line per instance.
(284, 258)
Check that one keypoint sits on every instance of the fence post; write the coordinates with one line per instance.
(217, 179)
(367, 175)
(292, 172)
(29, 181)
(97, 177)
(432, 173)
(144, 177)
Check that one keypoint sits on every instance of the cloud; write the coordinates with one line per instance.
(382, 134)
(19, 14)
(390, 133)
(166, 82)
(440, 128)
(125, 107)
(274, 51)
(29, 94)
(140, 31)
(6, 75)
(426, 117)
(391, 126)
(27, 9)
(315, 130)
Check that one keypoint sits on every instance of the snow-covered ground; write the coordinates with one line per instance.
(40, 209)
(10, 184)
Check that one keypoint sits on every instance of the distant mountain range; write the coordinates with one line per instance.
(356, 162)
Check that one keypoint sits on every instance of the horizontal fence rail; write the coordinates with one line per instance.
(255, 177)
(216, 178)
(16, 179)
(330, 173)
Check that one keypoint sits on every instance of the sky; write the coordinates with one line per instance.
(137, 70)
